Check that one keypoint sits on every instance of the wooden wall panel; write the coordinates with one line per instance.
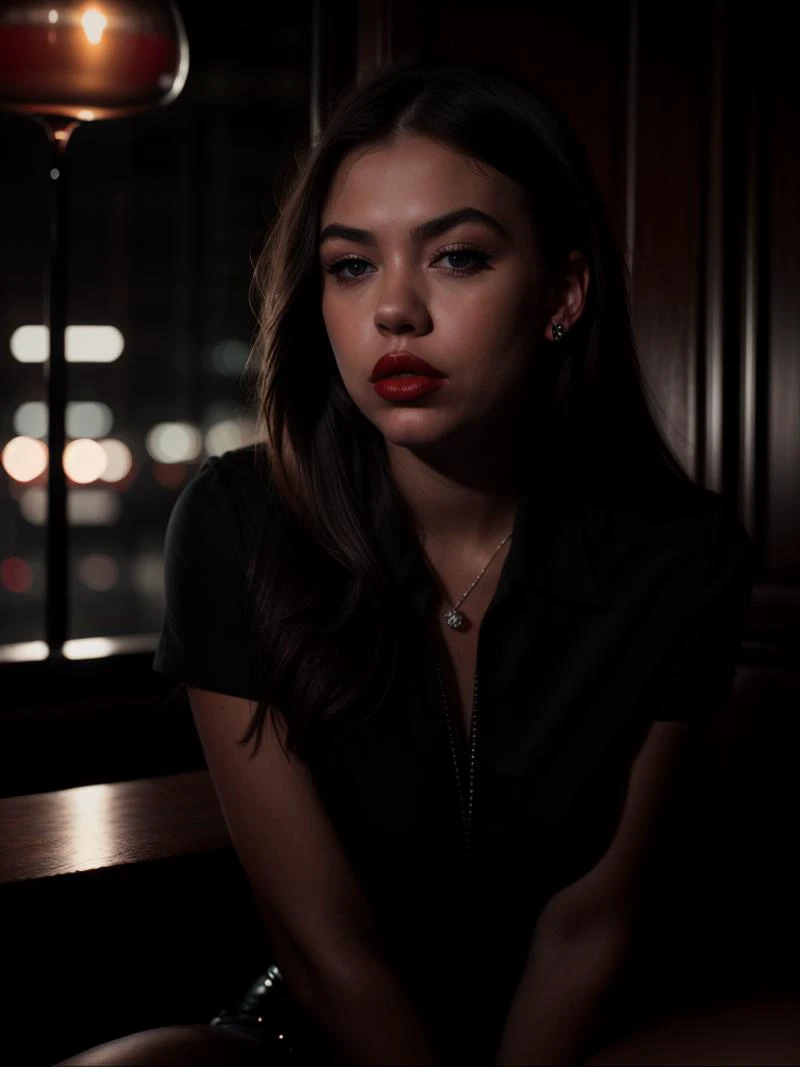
(673, 92)
(782, 557)
(336, 32)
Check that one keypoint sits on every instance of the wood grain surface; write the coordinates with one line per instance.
(43, 835)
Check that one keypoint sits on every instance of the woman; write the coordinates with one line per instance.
(451, 843)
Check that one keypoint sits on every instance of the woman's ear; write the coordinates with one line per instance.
(568, 293)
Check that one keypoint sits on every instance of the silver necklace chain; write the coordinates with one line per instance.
(455, 619)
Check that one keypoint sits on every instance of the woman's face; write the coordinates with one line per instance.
(466, 299)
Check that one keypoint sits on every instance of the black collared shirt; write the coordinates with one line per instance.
(606, 617)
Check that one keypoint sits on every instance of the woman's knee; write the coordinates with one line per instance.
(190, 1045)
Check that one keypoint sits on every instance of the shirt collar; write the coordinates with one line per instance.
(553, 550)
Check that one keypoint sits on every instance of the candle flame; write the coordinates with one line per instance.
(93, 22)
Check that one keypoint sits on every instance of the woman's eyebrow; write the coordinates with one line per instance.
(422, 231)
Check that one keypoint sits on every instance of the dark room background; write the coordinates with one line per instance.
(689, 113)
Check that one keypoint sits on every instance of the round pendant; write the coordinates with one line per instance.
(454, 619)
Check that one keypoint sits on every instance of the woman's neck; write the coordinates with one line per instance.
(463, 509)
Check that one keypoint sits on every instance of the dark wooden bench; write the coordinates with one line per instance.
(124, 907)
(94, 828)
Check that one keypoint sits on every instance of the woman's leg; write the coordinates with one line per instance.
(748, 1031)
(190, 1045)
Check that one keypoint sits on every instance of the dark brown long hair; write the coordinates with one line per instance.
(324, 596)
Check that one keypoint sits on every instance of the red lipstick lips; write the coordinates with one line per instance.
(403, 363)
(402, 376)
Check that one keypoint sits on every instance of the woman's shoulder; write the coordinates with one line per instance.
(239, 476)
(672, 507)
(696, 517)
(243, 472)
(677, 531)
(228, 499)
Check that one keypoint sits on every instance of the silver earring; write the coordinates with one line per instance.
(558, 331)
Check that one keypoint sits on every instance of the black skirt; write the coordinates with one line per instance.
(269, 1012)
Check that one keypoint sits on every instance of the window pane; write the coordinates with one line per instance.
(167, 211)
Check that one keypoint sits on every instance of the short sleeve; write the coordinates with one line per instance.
(206, 636)
(698, 679)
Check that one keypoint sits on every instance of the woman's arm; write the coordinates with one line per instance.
(584, 932)
(320, 923)
(559, 1002)
(369, 1019)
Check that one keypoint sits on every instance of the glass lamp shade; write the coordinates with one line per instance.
(66, 63)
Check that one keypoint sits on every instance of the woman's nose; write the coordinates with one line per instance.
(400, 302)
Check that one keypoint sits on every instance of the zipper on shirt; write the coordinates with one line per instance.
(465, 803)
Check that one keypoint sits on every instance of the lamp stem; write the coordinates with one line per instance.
(57, 584)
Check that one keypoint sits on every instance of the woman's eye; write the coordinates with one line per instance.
(337, 268)
(352, 263)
